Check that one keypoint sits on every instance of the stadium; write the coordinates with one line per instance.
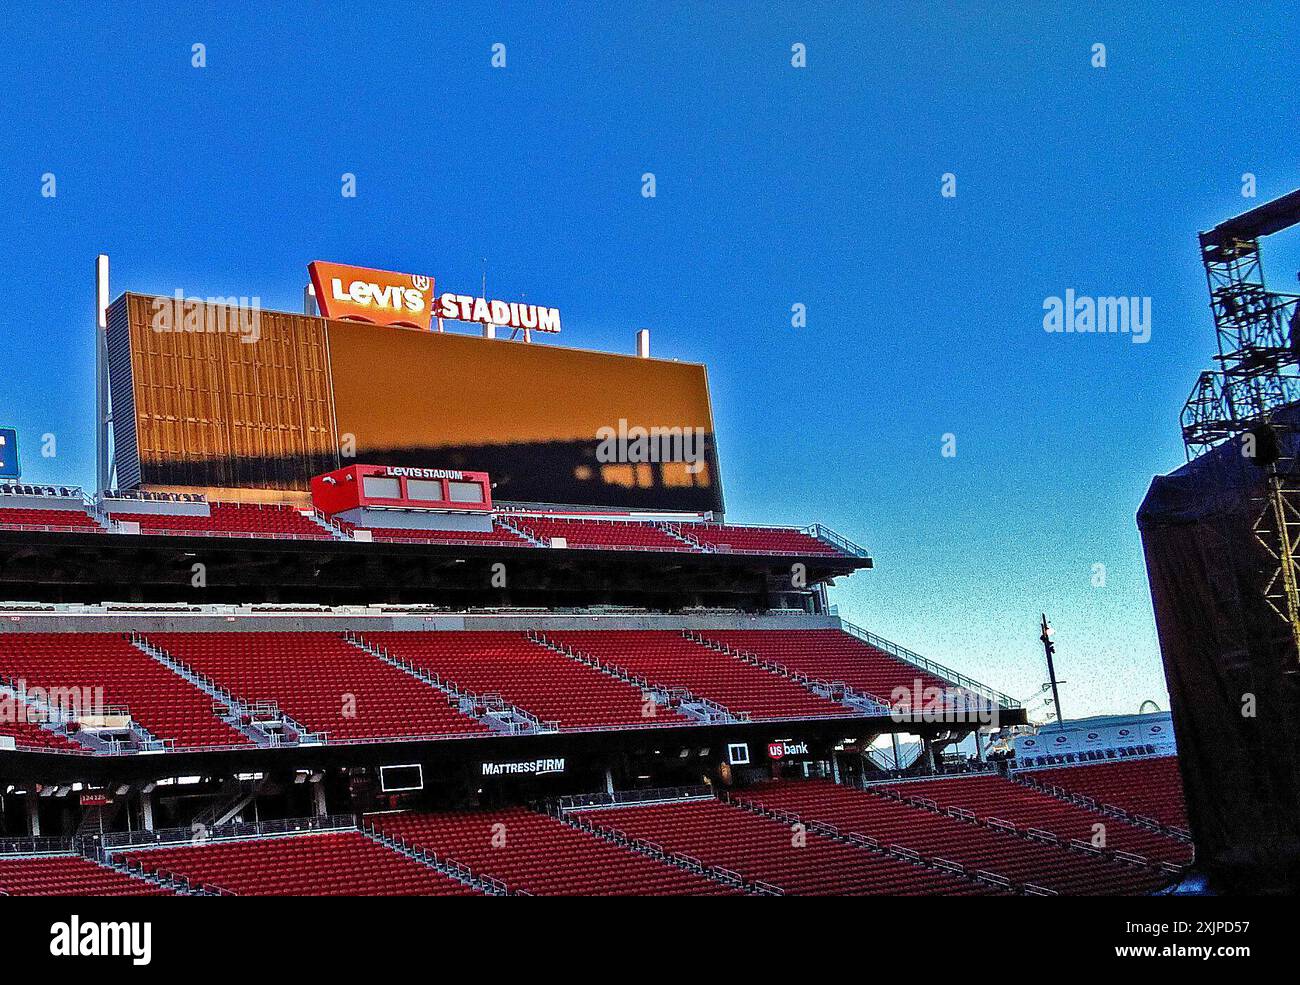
(356, 608)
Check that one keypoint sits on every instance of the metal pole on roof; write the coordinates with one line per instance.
(103, 417)
(1049, 648)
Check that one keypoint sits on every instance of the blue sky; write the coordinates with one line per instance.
(775, 186)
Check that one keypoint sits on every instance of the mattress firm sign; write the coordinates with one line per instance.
(383, 297)
(531, 767)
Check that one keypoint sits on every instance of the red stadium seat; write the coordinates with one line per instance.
(29, 519)
(69, 875)
(935, 835)
(1150, 788)
(764, 850)
(670, 660)
(331, 864)
(543, 856)
(528, 675)
(253, 520)
(322, 682)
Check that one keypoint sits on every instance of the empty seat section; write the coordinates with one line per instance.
(762, 849)
(670, 660)
(79, 520)
(543, 856)
(322, 682)
(69, 875)
(335, 864)
(163, 703)
(1149, 787)
(991, 796)
(498, 536)
(758, 540)
(613, 535)
(832, 656)
(528, 675)
(25, 729)
(234, 518)
(935, 835)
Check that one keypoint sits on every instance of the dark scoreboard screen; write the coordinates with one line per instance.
(9, 454)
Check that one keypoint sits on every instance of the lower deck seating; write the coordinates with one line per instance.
(668, 659)
(767, 851)
(543, 856)
(935, 835)
(269, 520)
(334, 864)
(1149, 787)
(69, 875)
(991, 796)
(78, 520)
(528, 675)
(322, 682)
(162, 702)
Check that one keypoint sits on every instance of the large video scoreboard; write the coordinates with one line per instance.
(240, 410)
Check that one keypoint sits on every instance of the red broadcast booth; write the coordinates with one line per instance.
(399, 487)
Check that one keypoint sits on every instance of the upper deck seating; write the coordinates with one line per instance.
(758, 540)
(610, 535)
(530, 676)
(233, 519)
(832, 656)
(80, 521)
(322, 682)
(669, 660)
(162, 702)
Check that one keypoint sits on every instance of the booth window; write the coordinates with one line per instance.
(427, 490)
(465, 492)
(381, 487)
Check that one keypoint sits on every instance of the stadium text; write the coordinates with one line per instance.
(507, 314)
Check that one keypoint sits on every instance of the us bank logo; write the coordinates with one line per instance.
(779, 750)
(9, 454)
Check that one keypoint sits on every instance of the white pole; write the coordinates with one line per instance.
(643, 343)
(102, 408)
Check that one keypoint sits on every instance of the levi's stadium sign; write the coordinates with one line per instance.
(383, 297)
(380, 297)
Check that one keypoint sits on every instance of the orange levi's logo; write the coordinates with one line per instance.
(380, 297)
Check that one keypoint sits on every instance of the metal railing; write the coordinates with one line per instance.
(619, 798)
(932, 666)
(36, 845)
(115, 841)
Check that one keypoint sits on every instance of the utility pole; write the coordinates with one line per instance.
(1049, 648)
